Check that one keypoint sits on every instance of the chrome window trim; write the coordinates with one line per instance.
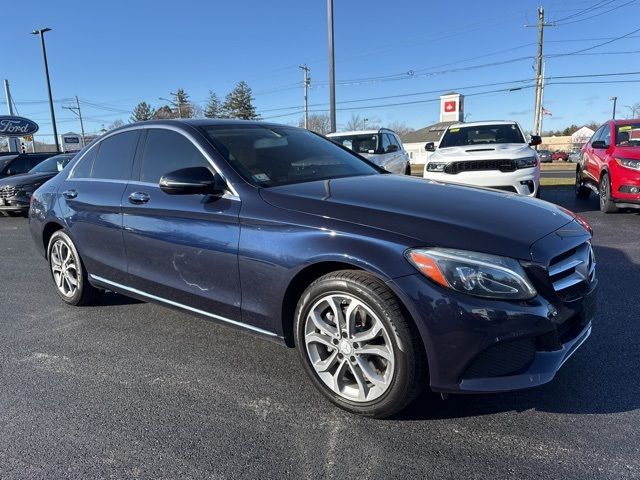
(180, 305)
(189, 136)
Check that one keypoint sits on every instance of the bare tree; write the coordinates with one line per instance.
(116, 123)
(318, 122)
(634, 110)
(354, 123)
(400, 127)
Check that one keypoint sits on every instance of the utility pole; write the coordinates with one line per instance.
(332, 76)
(307, 82)
(615, 100)
(538, 101)
(78, 112)
(12, 142)
(539, 125)
(41, 32)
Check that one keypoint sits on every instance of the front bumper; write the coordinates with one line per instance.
(525, 181)
(477, 345)
(622, 180)
(14, 204)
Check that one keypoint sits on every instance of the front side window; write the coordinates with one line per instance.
(386, 141)
(365, 143)
(599, 134)
(115, 157)
(165, 151)
(481, 135)
(268, 156)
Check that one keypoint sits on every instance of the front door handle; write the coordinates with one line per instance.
(138, 198)
(70, 194)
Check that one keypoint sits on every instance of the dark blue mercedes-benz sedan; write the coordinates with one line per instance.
(384, 283)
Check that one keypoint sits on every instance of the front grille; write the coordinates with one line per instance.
(507, 358)
(454, 168)
(7, 192)
(572, 271)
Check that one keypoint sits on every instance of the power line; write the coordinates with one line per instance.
(597, 14)
(587, 10)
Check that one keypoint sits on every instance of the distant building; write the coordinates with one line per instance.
(581, 136)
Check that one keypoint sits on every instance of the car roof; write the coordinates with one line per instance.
(204, 122)
(372, 131)
(485, 122)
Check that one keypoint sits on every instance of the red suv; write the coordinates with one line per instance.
(559, 155)
(610, 166)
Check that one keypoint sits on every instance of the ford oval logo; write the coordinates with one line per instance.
(11, 126)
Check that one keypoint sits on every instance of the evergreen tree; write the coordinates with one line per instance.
(213, 109)
(142, 112)
(184, 108)
(238, 103)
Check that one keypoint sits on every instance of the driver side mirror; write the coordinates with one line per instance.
(392, 148)
(535, 140)
(192, 181)
(598, 144)
(430, 147)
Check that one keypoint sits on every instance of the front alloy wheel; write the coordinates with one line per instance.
(358, 345)
(607, 205)
(349, 347)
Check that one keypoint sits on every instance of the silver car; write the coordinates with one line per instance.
(382, 147)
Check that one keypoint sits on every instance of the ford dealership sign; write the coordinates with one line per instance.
(11, 126)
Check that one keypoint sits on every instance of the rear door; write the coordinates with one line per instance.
(91, 204)
(181, 248)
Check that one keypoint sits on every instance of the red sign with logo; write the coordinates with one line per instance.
(450, 106)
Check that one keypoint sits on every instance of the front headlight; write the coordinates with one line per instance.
(436, 166)
(527, 162)
(628, 163)
(474, 273)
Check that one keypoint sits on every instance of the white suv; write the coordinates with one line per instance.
(486, 154)
(382, 147)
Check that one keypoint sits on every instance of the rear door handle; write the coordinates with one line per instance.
(70, 194)
(138, 198)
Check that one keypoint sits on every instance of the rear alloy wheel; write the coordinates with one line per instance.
(606, 203)
(68, 272)
(581, 191)
(357, 345)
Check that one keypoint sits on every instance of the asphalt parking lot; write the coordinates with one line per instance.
(130, 389)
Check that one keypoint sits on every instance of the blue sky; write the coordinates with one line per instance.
(114, 55)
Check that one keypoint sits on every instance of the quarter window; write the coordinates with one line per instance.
(386, 141)
(165, 151)
(115, 157)
(83, 168)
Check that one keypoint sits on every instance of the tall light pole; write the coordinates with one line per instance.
(307, 82)
(332, 76)
(614, 100)
(41, 32)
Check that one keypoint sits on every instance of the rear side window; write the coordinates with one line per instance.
(115, 157)
(165, 151)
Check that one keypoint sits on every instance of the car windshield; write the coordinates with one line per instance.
(4, 161)
(628, 135)
(52, 164)
(481, 135)
(268, 156)
(363, 143)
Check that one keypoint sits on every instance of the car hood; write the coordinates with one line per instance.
(627, 152)
(482, 152)
(427, 213)
(26, 179)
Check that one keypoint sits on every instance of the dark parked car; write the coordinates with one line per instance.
(16, 190)
(16, 163)
(545, 156)
(384, 283)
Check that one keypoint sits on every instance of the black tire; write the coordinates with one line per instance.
(606, 203)
(410, 365)
(85, 293)
(581, 191)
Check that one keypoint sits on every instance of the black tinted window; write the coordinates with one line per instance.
(115, 157)
(83, 168)
(19, 165)
(165, 151)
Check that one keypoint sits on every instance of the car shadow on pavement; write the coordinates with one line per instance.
(602, 377)
(578, 205)
(113, 299)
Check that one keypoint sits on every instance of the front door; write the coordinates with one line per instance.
(181, 248)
